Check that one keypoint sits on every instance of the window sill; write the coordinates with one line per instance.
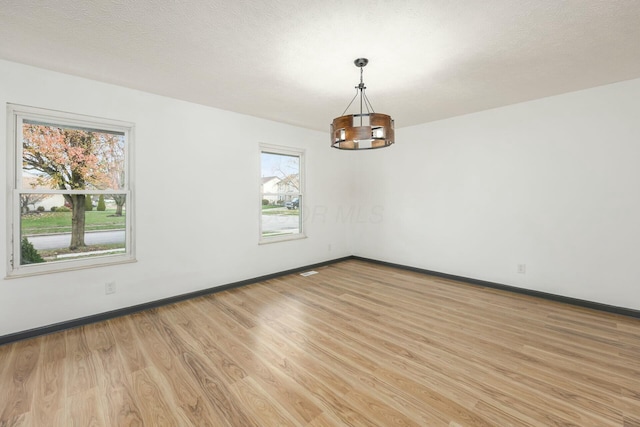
(278, 239)
(62, 267)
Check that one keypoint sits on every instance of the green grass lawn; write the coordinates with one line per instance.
(280, 211)
(60, 222)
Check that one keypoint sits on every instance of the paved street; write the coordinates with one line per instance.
(58, 241)
(281, 223)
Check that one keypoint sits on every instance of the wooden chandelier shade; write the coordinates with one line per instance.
(362, 131)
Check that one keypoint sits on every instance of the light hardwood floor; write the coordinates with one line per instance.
(356, 345)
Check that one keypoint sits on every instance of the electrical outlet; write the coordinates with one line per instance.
(329, 247)
(522, 268)
(110, 288)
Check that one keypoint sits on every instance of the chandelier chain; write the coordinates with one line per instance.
(364, 100)
(368, 104)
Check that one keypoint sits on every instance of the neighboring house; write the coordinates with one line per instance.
(32, 202)
(269, 188)
(273, 188)
(289, 184)
(48, 202)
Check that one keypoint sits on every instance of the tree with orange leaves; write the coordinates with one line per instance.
(70, 159)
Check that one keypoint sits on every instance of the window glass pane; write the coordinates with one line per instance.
(281, 193)
(71, 158)
(283, 217)
(280, 173)
(48, 232)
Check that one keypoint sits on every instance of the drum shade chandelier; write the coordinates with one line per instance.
(365, 130)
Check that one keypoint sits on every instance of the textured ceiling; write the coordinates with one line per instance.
(292, 60)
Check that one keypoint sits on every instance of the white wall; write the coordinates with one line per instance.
(553, 184)
(196, 198)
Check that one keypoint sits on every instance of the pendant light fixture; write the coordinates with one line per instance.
(365, 130)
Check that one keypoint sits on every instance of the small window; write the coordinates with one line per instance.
(281, 193)
(71, 199)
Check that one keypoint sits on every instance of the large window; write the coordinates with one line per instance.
(281, 193)
(70, 202)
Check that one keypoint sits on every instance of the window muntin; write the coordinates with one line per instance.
(79, 166)
(281, 193)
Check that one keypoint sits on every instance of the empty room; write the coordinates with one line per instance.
(320, 213)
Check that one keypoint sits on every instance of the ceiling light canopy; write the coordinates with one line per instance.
(365, 130)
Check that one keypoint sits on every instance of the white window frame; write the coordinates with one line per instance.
(285, 151)
(16, 114)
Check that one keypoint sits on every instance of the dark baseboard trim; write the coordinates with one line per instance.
(57, 327)
(553, 297)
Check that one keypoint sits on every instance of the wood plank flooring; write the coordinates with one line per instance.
(356, 345)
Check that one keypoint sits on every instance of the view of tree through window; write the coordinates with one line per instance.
(281, 193)
(71, 190)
